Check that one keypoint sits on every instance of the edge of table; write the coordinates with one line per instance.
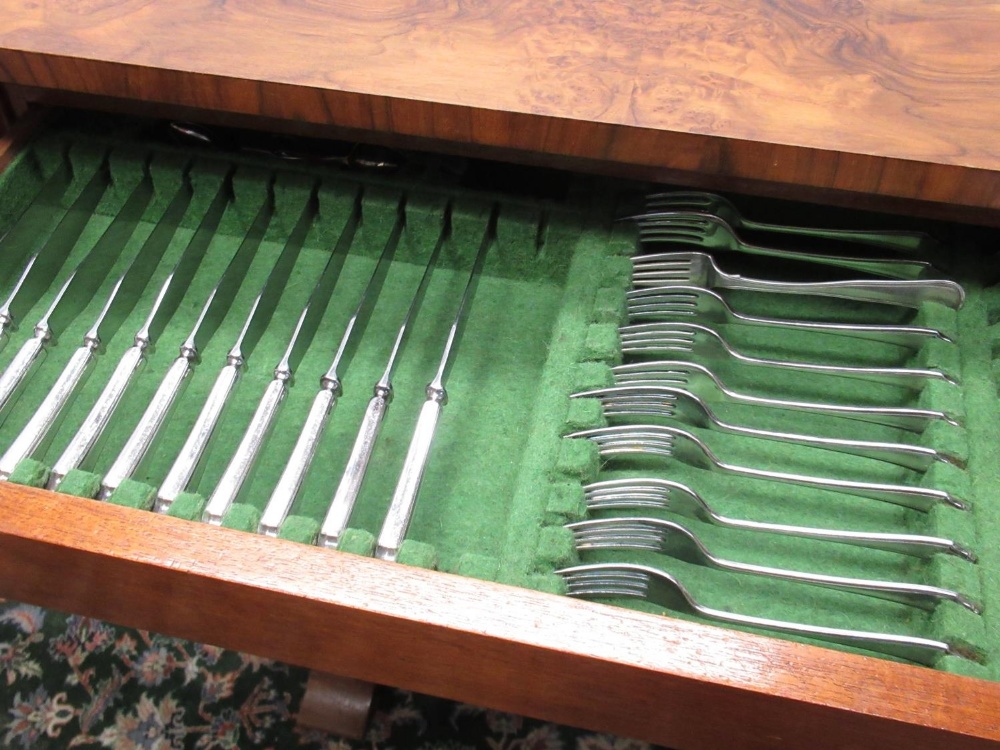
(568, 661)
(948, 190)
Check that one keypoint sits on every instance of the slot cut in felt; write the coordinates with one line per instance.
(501, 479)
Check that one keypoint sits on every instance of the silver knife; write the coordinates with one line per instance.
(349, 487)
(165, 303)
(330, 387)
(38, 272)
(404, 499)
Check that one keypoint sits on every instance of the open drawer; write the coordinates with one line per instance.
(475, 611)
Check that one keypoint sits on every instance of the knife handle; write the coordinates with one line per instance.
(347, 492)
(187, 461)
(242, 462)
(294, 473)
(153, 418)
(46, 417)
(404, 499)
(89, 433)
(19, 368)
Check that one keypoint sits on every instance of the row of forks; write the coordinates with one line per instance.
(679, 307)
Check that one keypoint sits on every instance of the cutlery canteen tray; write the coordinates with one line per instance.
(474, 608)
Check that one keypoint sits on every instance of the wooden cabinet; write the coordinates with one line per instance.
(874, 104)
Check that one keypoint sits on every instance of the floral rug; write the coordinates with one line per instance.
(69, 681)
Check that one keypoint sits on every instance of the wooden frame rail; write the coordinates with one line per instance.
(667, 681)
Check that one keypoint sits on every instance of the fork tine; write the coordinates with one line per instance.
(606, 582)
(614, 493)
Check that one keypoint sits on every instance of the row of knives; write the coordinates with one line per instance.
(47, 271)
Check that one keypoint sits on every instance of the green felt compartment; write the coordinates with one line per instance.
(502, 480)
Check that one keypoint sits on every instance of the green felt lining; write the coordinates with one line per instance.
(502, 480)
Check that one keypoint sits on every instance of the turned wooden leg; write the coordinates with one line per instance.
(338, 705)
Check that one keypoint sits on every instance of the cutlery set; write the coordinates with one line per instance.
(729, 383)
(66, 286)
(849, 344)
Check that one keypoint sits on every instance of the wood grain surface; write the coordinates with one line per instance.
(676, 683)
(883, 97)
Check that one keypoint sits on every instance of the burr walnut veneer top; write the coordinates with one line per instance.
(884, 97)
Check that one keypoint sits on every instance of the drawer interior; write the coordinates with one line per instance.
(502, 480)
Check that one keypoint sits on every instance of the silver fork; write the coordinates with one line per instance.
(708, 344)
(701, 381)
(676, 403)
(691, 200)
(677, 541)
(686, 302)
(645, 493)
(712, 232)
(699, 269)
(675, 443)
(627, 580)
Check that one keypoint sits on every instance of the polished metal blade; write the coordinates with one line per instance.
(35, 224)
(357, 323)
(269, 296)
(134, 279)
(312, 313)
(49, 255)
(220, 299)
(385, 382)
(176, 285)
(90, 273)
(458, 325)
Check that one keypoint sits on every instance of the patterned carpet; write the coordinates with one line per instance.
(69, 681)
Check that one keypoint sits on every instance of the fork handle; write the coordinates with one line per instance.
(915, 457)
(911, 648)
(914, 545)
(912, 378)
(895, 239)
(916, 498)
(893, 268)
(900, 292)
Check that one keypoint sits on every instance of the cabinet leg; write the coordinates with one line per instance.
(338, 705)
